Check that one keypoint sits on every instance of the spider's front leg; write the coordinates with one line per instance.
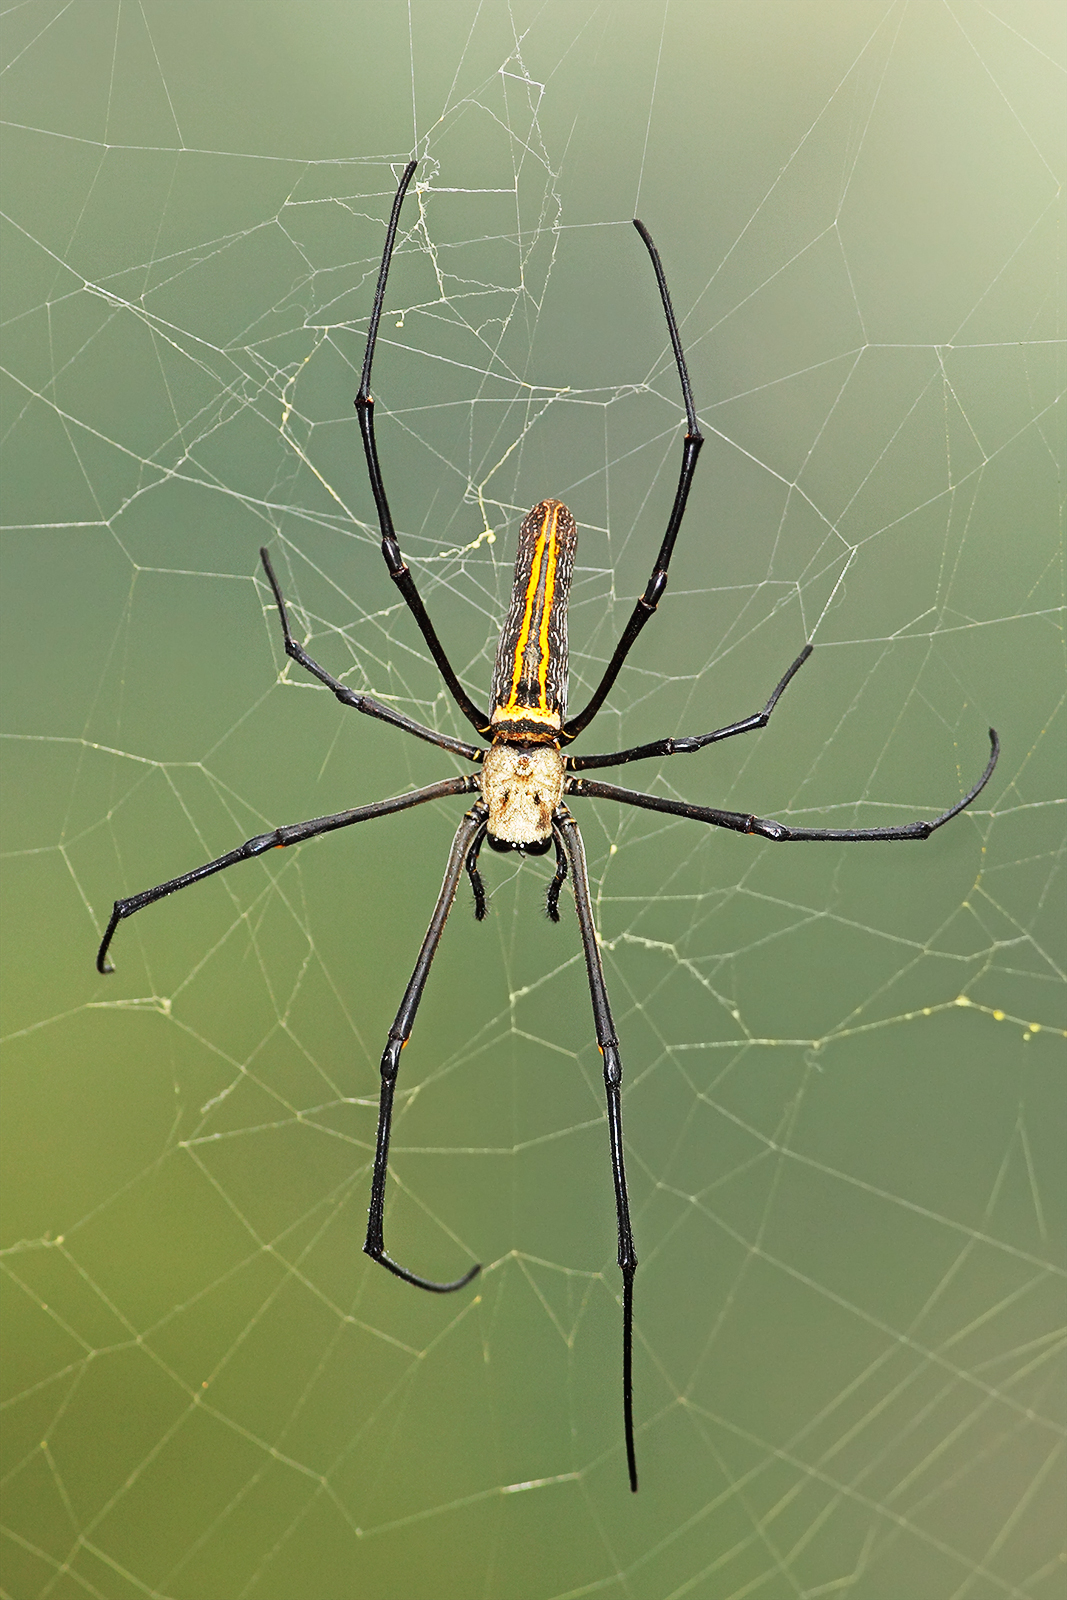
(691, 447)
(398, 568)
(469, 835)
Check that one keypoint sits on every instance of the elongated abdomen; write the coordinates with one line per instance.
(530, 680)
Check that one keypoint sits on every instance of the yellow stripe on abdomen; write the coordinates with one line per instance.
(546, 545)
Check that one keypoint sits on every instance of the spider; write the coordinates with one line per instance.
(522, 777)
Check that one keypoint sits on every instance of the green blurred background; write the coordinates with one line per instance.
(844, 1130)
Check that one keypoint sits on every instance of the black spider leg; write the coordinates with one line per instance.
(292, 833)
(566, 831)
(469, 835)
(481, 908)
(739, 822)
(364, 404)
(560, 878)
(360, 702)
(657, 582)
(685, 746)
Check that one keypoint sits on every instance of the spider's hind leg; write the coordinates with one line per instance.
(468, 837)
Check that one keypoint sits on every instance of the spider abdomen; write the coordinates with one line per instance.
(530, 679)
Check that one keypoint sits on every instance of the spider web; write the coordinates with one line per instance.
(844, 1130)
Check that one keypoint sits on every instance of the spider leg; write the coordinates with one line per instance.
(740, 822)
(347, 697)
(364, 404)
(657, 582)
(552, 898)
(481, 909)
(292, 833)
(678, 747)
(468, 837)
(565, 829)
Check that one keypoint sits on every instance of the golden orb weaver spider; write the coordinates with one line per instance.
(523, 776)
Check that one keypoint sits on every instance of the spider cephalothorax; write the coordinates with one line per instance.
(522, 786)
(523, 777)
